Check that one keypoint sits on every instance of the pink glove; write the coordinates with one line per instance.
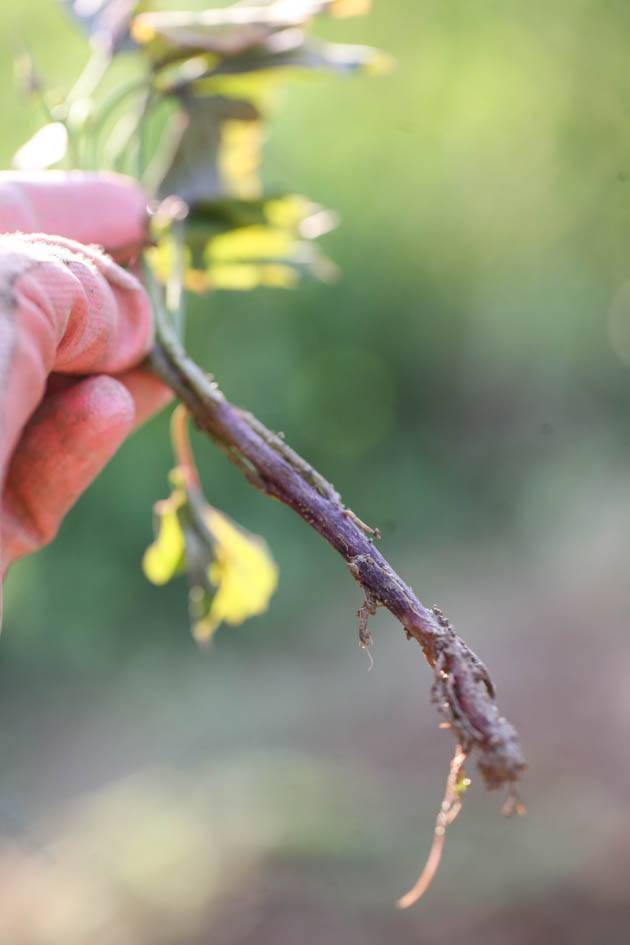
(72, 327)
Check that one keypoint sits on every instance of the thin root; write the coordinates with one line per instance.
(513, 805)
(369, 656)
(367, 609)
(449, 809)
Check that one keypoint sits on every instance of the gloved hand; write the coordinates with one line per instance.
(73, 328)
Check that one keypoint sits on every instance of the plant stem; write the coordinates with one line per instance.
(175, 295)
(462, 688)
(111, 102)
(89, 80)
(181, 446)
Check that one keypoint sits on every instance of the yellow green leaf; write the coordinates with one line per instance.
(289, 210)
(343, 8)
(243, 573)
(246, 276)
(163, 258)
(239, 157)
(196, 280)
(231, 572)
(251, 242)
(258, 87)
(165, 557)
(185, 72)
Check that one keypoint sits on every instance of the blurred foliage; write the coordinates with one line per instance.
(483, 193)
(484, 202)
(217, 71)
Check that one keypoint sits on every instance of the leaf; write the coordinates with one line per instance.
(48, 146)
(231, 572)
(251, 256)
(258, 76)
(243, 574)
(165, 557)
(179, 75)
(240, 157)
(224, 67)
(252, 242)
(206, 163)
(241, 245)
(232, 30)
(247, 38)
(216, 31)
(243, 277)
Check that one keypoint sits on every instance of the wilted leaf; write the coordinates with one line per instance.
(257, 77)
(252, 242)
(223, 68)
(247, 48)
(238, 244)
(48, 146)
(166, 556)
(263, 256)
(164, 257)
(231, 573)
(240, 157)
(205, 164)
(242, 277)
(242, 576)
(180, 74)
(215, 31)
(232, 30)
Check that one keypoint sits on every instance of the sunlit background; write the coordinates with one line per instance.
(467, 387)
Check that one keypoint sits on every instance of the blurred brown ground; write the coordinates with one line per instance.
(279, 801)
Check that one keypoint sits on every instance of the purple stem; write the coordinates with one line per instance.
(462, 688)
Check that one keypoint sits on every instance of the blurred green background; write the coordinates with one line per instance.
(467, 387)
